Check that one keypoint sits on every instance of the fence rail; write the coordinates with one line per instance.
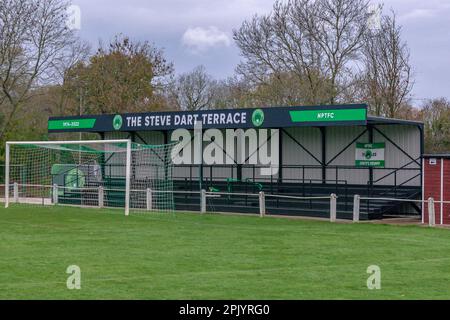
(295, 197)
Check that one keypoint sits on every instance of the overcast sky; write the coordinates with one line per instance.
(194, 32)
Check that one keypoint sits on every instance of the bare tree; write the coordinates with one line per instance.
(75, 53)
(33, 35)
(277, 44)
(233, 93)
(338, 27)
(317, 41)
(388, 73)
(193, 90)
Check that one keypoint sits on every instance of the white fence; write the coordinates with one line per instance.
(431, 207)
(262, 200)
(97, 196)
(87, 196)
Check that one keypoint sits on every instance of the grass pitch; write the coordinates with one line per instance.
(190, 256)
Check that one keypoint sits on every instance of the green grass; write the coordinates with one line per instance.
(191, 256)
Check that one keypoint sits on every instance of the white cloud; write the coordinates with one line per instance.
(418, 14)
(200, 39)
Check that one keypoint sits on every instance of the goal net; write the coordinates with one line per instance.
(103, 173)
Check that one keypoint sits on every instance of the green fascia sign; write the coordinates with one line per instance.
(277, 117)
(71, 124)
(333, 115)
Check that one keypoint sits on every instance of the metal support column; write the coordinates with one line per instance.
(200, 174)
(370, 131)
(323, 134)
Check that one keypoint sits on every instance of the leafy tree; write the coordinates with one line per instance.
(33, 37)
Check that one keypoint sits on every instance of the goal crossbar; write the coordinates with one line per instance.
(68, 142)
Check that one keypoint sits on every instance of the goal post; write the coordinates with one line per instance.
(90, 173)
(127, 178)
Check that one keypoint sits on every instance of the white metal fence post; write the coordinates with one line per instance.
(333, 207)
(55, 194)
(149, 199)
(203, 201)
(431, 213)
(356, 207)
(262, 204)
(16, 192)
(101, 197)
(423, 191)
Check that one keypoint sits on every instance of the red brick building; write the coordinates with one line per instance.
(436, 184)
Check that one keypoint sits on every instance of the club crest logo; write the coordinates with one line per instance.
(258, 118)
(117, 122)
